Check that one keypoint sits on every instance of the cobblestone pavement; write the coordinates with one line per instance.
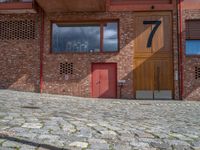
(31, 121)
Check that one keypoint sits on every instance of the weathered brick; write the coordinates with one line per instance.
(191, 85)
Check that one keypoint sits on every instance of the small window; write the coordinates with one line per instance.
(193, 47)
(85, 37)
(193, 37)
(110, 38)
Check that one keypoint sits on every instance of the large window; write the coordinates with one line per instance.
(85, 37)
(193, 37)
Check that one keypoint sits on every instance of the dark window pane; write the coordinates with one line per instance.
(110, 37)
(76, 38)
(193, 47)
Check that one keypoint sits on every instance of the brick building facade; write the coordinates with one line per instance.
(29, 62)
(191, 63)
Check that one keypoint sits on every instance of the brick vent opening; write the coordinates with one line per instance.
(17, 30)
(66, 68)
(197, 72)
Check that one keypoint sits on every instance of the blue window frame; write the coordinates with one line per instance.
(192, 47)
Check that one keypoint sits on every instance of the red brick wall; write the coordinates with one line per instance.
(191, 85)
(19, 59)
(79, 84)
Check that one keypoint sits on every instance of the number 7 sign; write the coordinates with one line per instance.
(157, 24)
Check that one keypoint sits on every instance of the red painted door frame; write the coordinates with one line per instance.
(92, 68)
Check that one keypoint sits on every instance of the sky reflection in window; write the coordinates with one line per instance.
(110, 37)
(76, 37)
(193, 47)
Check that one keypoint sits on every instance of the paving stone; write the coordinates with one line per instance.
(91, 125)
(79, 144)
(85, 132)
(6, 148)
(78, 123)
(98, 144)
(39, 131)
(160, 145)
(180, 137)
(41, 148)
(27, 147)
(11, 144)
(143, 134)
(48, 137)
(192, 136)
(69, 128)
(181, 147)
(127, 137)
(140, 145)
(4, 127)
(196, 145)
(2, 140)
(122, 147)
(108, 134)
(177, 143)
(149, 140)
(32, 125)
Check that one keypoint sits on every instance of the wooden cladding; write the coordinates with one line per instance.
(142, 5)
(72, 5)
(153, 64)
(17, 6)
(193, 29)
(152, 2)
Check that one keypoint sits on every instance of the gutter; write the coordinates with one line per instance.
(41, 51)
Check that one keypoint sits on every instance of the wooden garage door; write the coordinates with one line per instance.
(153, 66)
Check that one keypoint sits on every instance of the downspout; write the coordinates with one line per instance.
(180, 48)
(41, 50)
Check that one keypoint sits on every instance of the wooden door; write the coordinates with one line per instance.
(153, 65)
(104, 80)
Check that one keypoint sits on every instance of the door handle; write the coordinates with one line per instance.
(98, 82)
(158, 78)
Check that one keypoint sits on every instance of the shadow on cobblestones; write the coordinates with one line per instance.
(29, 143)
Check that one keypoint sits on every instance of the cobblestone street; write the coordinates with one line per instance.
(30, 121)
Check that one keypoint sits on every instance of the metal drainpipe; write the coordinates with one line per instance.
(41, 50)
(180, 49)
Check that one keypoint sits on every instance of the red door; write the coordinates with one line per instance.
(104, 80)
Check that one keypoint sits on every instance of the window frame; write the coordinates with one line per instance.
(101, 25)
(186, 39)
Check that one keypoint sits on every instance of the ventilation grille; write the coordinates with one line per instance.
(66, 68)
(17, 30)
(197, 72)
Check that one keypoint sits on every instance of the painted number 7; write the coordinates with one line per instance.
(157, 24)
